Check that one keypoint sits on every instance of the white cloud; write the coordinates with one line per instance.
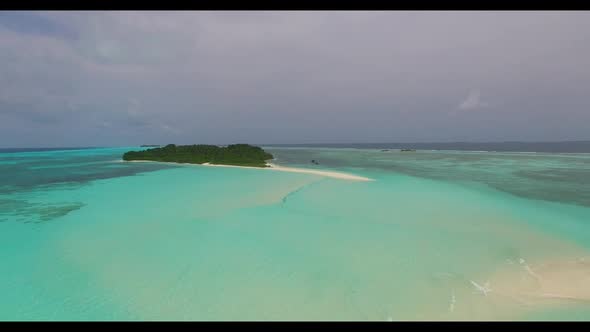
(473, 101)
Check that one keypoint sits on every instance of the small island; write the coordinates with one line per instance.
(149, 146)
(235, 155)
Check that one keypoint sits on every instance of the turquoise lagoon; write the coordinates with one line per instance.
(439, 235)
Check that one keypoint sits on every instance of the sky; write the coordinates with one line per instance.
(126, 78)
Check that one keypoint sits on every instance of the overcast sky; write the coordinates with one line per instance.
(126, 78)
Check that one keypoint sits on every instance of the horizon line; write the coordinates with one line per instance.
(319, 143)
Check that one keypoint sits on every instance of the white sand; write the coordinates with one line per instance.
(330, 174)
(565, 279)
(273, 167)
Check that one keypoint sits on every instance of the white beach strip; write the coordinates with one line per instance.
(273, 167)
(330, 174)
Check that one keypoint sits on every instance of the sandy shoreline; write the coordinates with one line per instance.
(331, 174)
(273, 167)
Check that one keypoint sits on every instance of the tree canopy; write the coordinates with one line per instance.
(235, 154)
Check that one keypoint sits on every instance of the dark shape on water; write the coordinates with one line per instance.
(315, 162)
(234, 154)
(52, 212)
(33, 212)
(408, 150)
(384, 150)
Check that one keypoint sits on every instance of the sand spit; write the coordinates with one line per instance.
(273, 167)
(330, 174)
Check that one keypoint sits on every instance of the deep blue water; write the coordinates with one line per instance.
(555, 147)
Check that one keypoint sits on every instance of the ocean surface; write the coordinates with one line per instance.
(439, 235)
(554, 147)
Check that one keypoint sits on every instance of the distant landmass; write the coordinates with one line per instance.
(149, 145)
(235, 154)
(553, 147)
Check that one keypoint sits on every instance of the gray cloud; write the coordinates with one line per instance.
(287, 77)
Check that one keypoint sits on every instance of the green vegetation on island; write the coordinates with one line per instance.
(235, 154)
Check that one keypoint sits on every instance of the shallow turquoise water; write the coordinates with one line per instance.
(88, 237)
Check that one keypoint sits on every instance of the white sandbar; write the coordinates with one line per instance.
(330, 174)
(273, 167)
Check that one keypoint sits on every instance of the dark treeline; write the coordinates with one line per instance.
(235, 154)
